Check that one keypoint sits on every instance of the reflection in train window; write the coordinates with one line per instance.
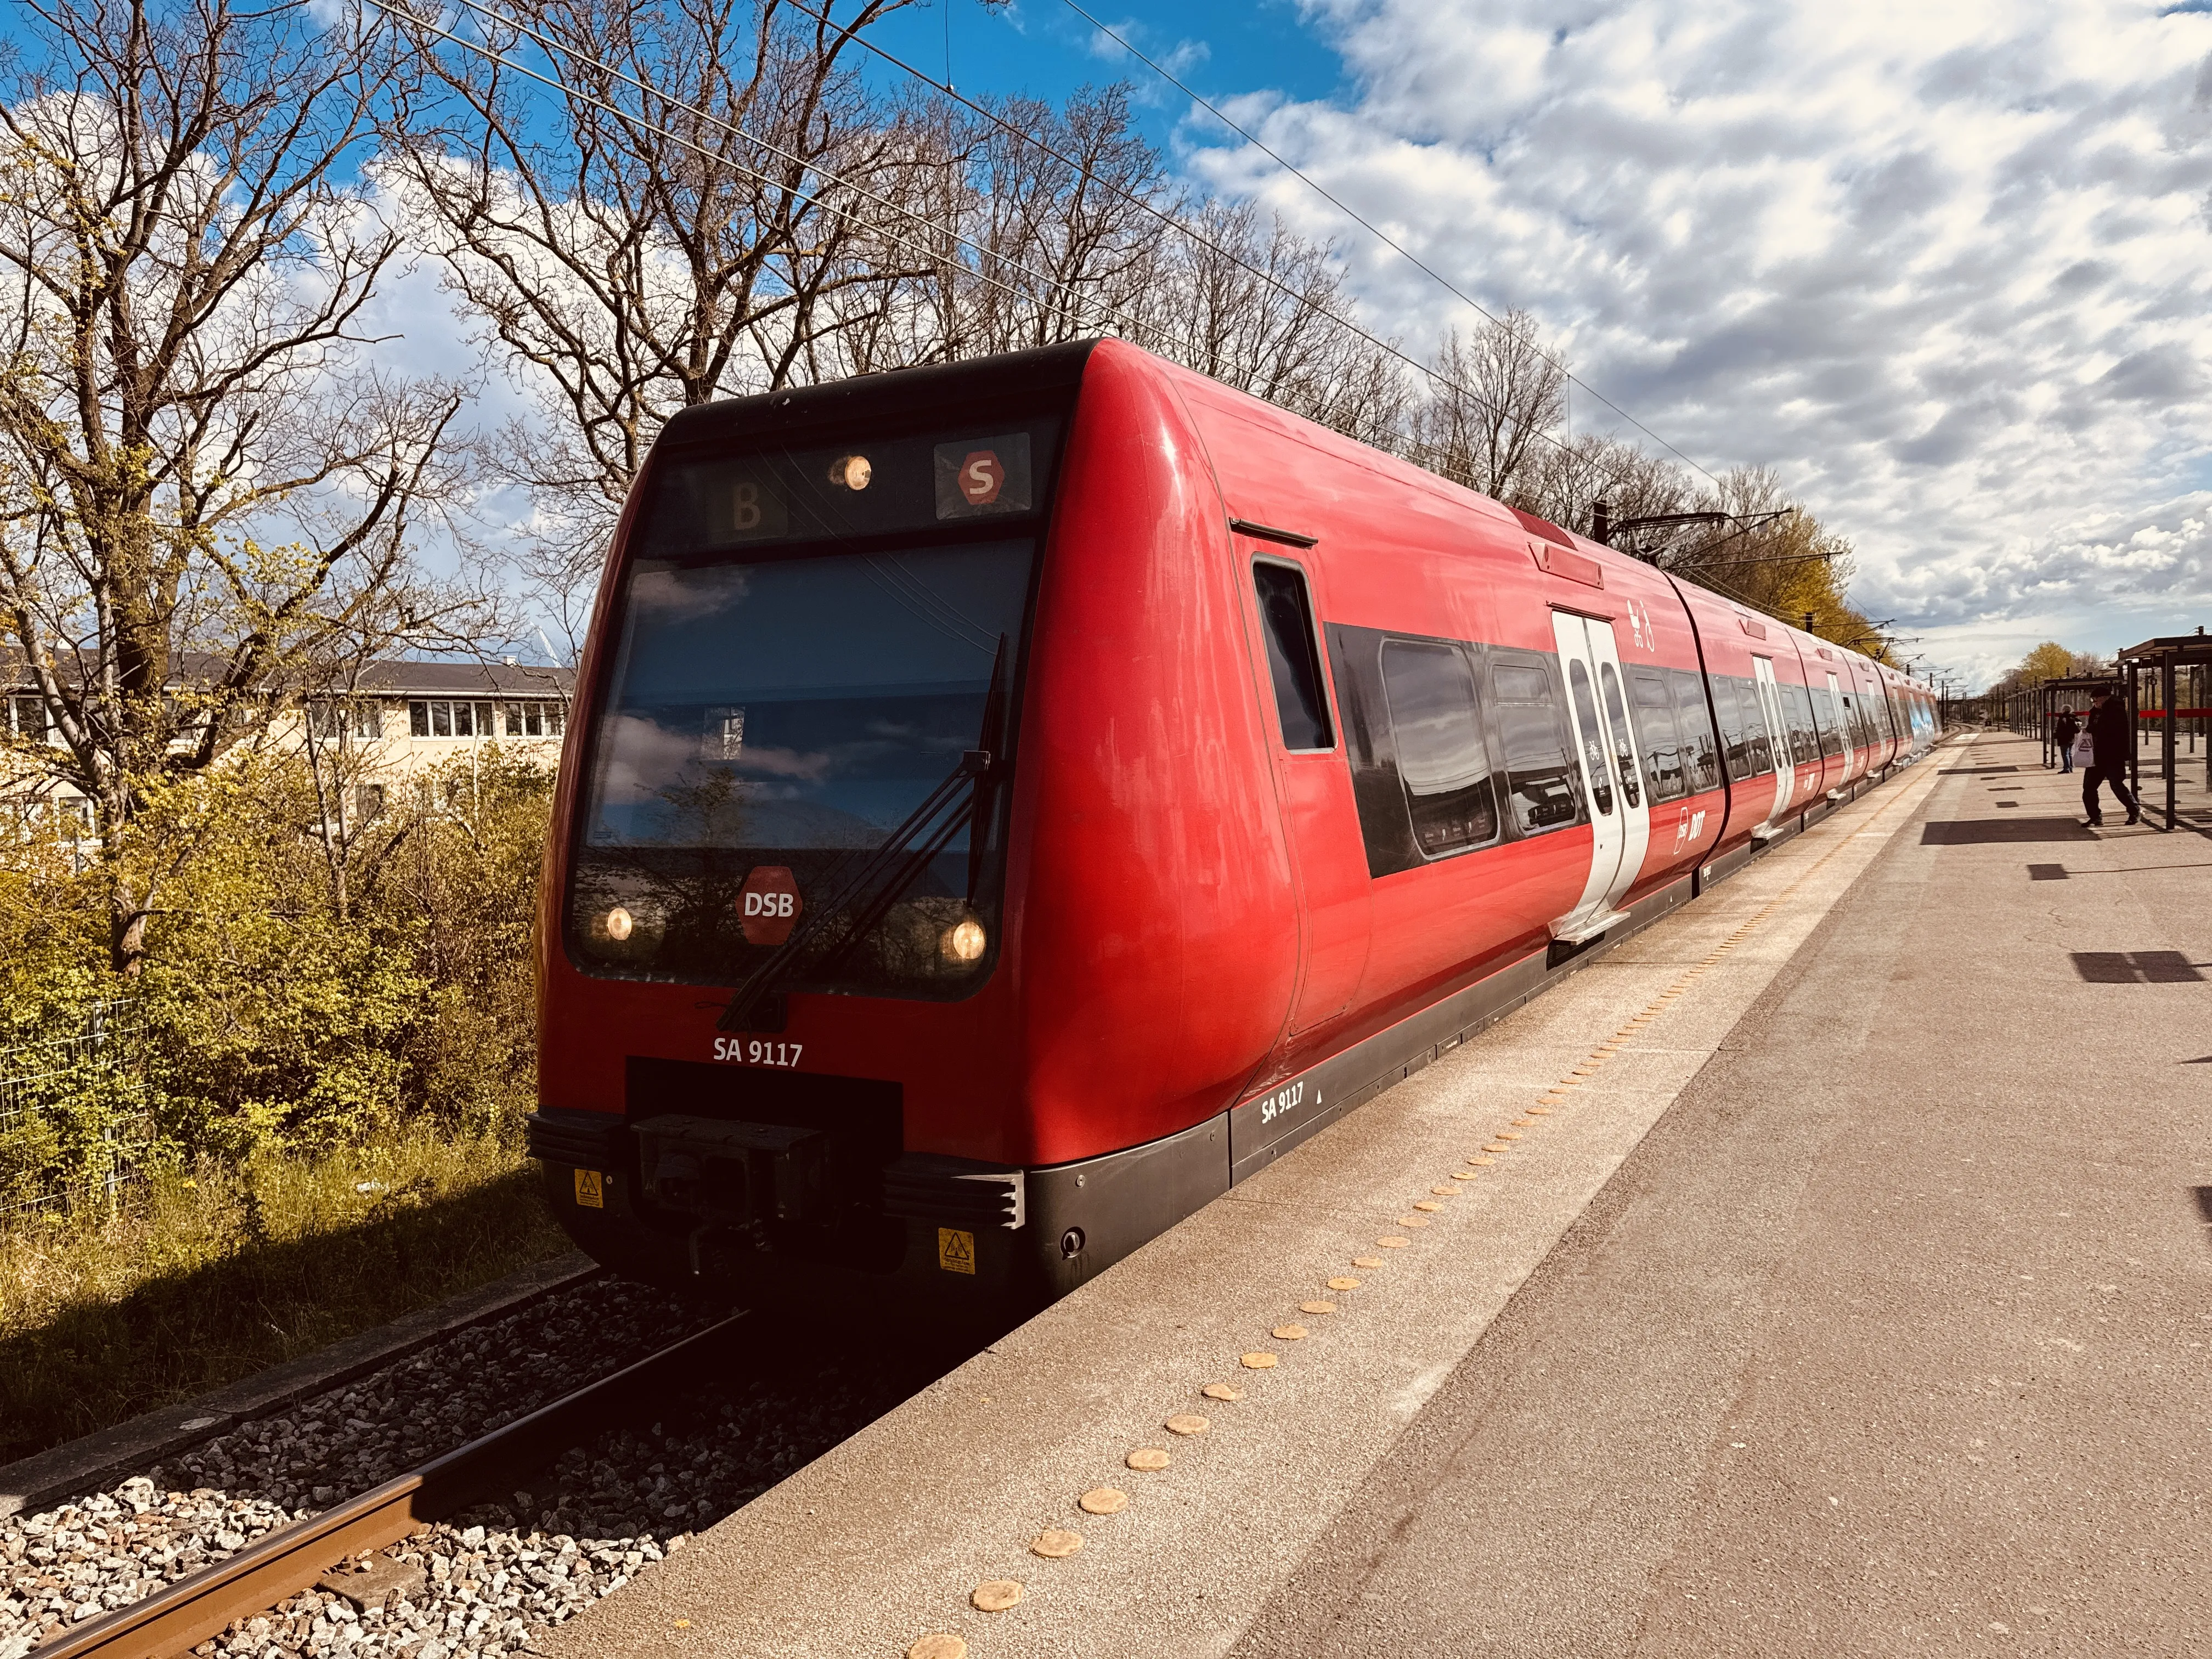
(1701, 760)
(1286, 616)
(1655, 718)
(1443, 761)
(1593, 745)
(1539, 775)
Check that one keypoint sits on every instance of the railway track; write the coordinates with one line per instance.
(280, 1564)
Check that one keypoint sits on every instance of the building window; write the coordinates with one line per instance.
(27, 718)
(367, 802)
(339, 719)
(435, 718)
(533, 719)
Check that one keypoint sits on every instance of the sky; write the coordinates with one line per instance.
(1943, 266)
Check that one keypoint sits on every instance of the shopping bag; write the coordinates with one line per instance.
(2085, 750)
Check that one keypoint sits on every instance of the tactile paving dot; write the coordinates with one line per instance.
(1466, 1175)
(1395, 1243)
(1149, 1459)
(1483, 1163)
(1540, 1111)
(1103, 1500)
(1260, 1361)
(1056, 1543)
(1317, 1307)
(1344, 1282)
(1288, 1332)
(1416, 1222)
(939, 1646)
(1426, 1206)
(1221, 1391)
(1500, 1147)
(1444, 1192)
(1509, 1134)
(1368, 1262)
(1186, 1423)
(996, 1594)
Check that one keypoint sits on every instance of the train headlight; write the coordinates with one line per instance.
(619, 924)
(965, 941)
(852, 471)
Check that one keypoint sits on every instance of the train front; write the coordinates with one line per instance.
(774, 910)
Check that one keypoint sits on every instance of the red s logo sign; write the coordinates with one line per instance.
(980, 476)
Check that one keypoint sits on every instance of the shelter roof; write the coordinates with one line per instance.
(2173, 647)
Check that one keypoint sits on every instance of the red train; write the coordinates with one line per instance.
(1014, 801)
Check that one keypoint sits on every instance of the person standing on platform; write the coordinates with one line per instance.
(2064, 733)
(2113, 734)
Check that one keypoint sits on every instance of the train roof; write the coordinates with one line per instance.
(1042, 374)
(1011, 377)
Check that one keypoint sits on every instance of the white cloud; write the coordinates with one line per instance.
(1944, 266)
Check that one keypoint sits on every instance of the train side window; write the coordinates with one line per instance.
(1732, 740)
(1751, 751)
(1832, 741)
(1655, 718)
(1797, 709)
(1443, 764)
(1579, 684)
(1293, 661)
(1701, 760)
(1624, 746)
(1539, 775)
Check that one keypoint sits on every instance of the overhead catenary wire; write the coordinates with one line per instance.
(643, 124)
(1073, 312)
(1183, 227)
(1374, 230)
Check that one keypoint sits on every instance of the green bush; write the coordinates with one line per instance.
(295, 997)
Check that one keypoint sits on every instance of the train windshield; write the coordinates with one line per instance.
(774, 717)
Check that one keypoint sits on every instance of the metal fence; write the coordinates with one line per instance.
(75, 1114)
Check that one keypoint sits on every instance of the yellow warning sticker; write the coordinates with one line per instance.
(956, 1250)
(590, 1189)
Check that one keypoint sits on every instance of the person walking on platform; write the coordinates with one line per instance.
(2113, 733)
(2064, 733)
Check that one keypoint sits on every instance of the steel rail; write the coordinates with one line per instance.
(280, 1564)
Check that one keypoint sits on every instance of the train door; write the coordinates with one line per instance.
(1328, 861)
(1770, 705)
(1620, 817)
(1840, 706)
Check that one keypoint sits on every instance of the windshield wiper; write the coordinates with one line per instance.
(861, 889)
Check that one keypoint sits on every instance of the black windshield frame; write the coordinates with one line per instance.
(1036, 527)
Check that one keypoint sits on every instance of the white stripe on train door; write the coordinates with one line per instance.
(1578, 664)
(1770, 703)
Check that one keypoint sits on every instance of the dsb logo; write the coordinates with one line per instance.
(768, 904)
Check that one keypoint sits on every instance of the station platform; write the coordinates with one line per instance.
(1822, 1270)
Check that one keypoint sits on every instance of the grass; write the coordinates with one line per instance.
(208, 1275)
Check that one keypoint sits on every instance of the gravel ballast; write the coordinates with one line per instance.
(584, 1527)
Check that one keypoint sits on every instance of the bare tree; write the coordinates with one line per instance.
(203, 482)
(1565, 477)
(668, 229)
(1495, 397)
(1266, 311)
(1067, 244)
